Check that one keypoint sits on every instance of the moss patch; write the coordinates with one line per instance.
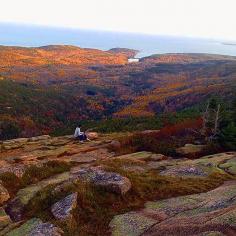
(26, 228)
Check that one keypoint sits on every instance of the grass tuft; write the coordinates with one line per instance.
(32, 174)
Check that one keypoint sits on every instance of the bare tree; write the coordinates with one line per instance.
(217, 119)
(211, 120)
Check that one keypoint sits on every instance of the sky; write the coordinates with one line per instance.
(214, 19)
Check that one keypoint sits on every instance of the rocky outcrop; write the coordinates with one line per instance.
(229, 166)
(62, 210)
(39, 138)
(187, 171)
(35, 227)
(14, 143)
(202, 167)
(211, 213)
(142, 161)
(143, 156)
(20, 142)
(38, 150)
(109, 181)
(208, 212)
(148, 132)
(190, 149)
(15, 207)
(4, 195)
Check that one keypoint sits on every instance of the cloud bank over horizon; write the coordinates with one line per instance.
(203, 18)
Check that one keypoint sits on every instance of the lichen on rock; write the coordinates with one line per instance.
(62, 210)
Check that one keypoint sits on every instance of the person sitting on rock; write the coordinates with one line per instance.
(80, 135)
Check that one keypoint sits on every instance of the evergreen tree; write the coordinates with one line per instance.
(227, 137)
(9, 130)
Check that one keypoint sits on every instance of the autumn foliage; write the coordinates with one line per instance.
(51, 88)
(166, 140)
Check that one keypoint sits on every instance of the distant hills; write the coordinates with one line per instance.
(126, 51)
(50, 87)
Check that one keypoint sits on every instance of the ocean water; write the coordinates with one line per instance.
(31, 36)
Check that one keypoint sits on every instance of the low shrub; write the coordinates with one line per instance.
(165, 141)
(33, 174)
(11, 182)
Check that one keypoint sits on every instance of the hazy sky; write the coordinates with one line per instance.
(201, 18)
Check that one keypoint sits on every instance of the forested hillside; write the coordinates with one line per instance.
(51, 88)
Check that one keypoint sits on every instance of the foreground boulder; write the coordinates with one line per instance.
(115, 145)
(35, 227)
(210, 213)
(188, 170)
(111, 182)
(62, 210)
(4, 195)
(46, 229)
(92, 135)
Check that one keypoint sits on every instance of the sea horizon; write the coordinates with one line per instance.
(36, 36)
